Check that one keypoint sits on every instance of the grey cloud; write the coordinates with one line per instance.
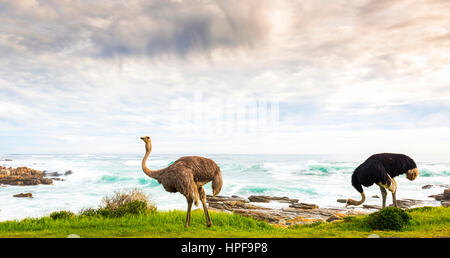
(115, 28)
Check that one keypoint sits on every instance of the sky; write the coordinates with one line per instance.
(225, 76)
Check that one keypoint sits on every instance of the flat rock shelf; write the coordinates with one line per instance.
(295, 212)
(285, 211)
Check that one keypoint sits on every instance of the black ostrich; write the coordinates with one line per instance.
(381, 169)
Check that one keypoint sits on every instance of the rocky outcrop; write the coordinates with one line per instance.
(408, 203)
(264, 198)
(28, 195)
(68, 172)
(290, 211)
(444, 197)
(29, 176)
(51, 174)
(304, 205)
(368, 206)
(55, 174)
(22, 176)
(402, 203)
(440, 185)
(336, 216)
(291, 214)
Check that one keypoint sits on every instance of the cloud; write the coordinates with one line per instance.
(109, 71)
(133, 28)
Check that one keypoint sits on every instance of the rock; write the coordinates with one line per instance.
(297, 213)
(375, 196)
(259, 215)
(219, 198)
(445, 196)
(440, 185)
(303, 206)
(46, 181)
(437, 197)
(403, 204)
(233, 205)
(29, 195)
(407, 203)
(68, 172)
(342, 200)
(264, 198)
(445, 203)
(22, 176)
(7, 159)
(52, 174)
(368, 206)
(281, 217)
(337, 216)
(258, 198)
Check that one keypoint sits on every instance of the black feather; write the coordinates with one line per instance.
(377, 167)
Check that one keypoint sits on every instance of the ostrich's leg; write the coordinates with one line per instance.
(394, 191)
(394, 199)
(202, 194)
(383, 194)
(188, 216)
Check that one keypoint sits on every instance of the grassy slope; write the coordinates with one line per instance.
(429, 222)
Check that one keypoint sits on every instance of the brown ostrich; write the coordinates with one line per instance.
(187, 175)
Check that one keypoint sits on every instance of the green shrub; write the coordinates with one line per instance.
(390, 218)
(62, 215)
(90, 212)
(120, 198)
(133, 208)
(132, 202)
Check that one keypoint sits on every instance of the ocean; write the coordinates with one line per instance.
(318, 179)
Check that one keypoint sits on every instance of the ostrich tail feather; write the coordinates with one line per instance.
(217, 183)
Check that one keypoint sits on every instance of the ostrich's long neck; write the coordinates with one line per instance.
(151, 173)
(363, 198)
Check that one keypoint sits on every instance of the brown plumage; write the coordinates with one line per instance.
(187, 175)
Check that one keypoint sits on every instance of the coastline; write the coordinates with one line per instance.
(313, 181)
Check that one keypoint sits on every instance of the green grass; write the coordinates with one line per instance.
(425, 222)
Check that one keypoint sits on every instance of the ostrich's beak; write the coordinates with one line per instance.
(142, 138)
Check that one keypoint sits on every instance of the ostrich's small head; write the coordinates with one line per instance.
(412, 174)
(350, 202)
(411, 167)
(146, 139)
(355, 202)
